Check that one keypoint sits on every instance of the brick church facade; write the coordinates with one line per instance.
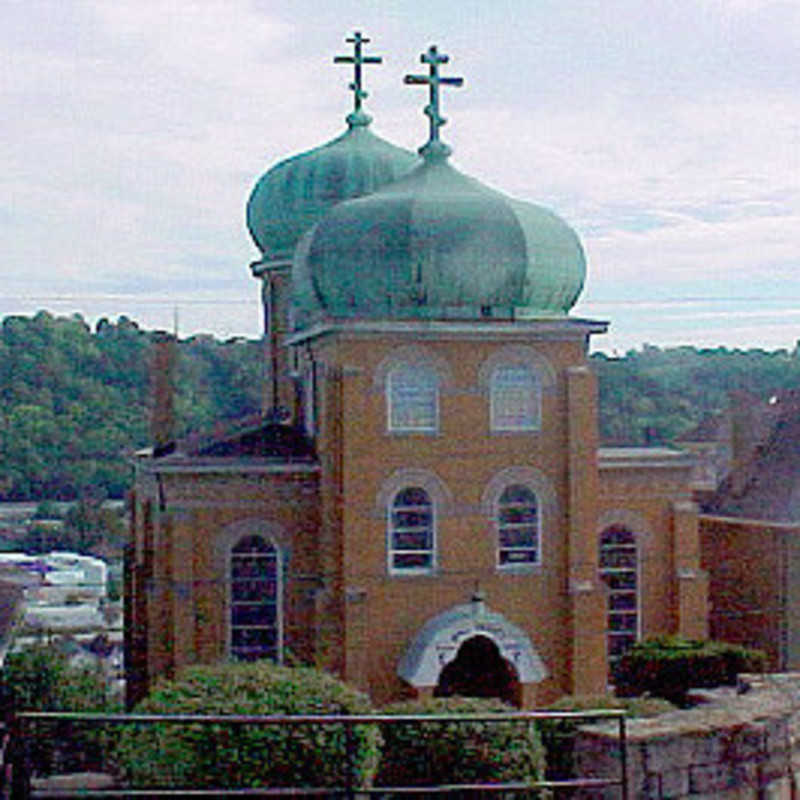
(424, 507)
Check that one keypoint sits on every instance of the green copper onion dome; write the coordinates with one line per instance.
(437, 244)
(295, 193)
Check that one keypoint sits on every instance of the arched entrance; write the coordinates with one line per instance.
(470, 650)
(479, 670)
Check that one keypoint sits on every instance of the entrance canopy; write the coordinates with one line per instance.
(439, 640)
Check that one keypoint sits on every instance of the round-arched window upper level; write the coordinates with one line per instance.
(411, 534)
(518, 527)
(515, 398)
(412, 399)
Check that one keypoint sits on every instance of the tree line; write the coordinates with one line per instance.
(75, 401)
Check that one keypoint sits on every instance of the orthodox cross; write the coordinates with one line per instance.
(358, 117)
(434, 147)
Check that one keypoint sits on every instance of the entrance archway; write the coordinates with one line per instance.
(479, 670)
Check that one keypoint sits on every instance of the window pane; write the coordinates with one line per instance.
(619, 569)
(413, 496)
(251, 590)
(413, 399)
(254, 599)
(411, 541)
(411, 519)
(517, 537)
(518, 556)
(412, 560)
(514, 398)
(518, 526)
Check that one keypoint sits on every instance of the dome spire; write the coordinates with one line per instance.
(358, 117)
(434, 148)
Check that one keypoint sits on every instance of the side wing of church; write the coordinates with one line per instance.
(424, 508)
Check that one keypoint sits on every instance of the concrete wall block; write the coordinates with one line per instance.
(667, 752)
(747, 742)
(711, 778)
(672, 781)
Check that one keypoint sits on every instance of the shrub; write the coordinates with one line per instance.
(558, 735)
(428, 753)
(248, 756)
(40, 678)
(669, 666)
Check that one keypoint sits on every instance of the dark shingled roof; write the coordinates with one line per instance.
(767, 486)
(270, 441)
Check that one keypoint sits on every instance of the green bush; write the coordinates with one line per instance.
(429, 753)
(669, 666)
(40, 678)
(558, 735)
(248, 756)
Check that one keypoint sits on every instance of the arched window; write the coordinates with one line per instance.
(412, 398)
(619, 568)
(255, 600)
(518, 525)
(411, 531)
(515, 398)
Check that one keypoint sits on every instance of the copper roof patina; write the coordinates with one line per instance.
(289, 198)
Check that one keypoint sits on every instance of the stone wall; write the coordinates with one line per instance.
(731, 747)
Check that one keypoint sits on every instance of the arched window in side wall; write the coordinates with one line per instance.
(412, 538)
(412, 399)
(518, 527)
(515, 398)
(619, 568)
(255, 600)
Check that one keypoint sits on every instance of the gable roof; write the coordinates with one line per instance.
(766, 486)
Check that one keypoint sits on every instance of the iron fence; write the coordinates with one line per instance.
(23, 731)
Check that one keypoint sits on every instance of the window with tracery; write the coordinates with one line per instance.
(254, 600)
(411, 531)
(515, 398)
(619, 568)
(518, 527)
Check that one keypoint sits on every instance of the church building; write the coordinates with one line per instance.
(423, 508)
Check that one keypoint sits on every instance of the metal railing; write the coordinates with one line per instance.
(24, 730)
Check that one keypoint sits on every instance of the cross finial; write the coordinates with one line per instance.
(435, 147)
(358, 116)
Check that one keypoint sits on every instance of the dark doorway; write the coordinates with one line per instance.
(479, 670)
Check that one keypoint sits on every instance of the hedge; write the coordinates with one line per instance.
(430, 753)
(248, 756)
(669, 666)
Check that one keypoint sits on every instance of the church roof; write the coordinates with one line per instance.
(767, 485)
(272, 442)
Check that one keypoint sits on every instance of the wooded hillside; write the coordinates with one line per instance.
(74, 402)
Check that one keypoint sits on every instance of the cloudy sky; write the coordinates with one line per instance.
(666, 132)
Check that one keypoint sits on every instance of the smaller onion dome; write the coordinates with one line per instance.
(295, 193)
